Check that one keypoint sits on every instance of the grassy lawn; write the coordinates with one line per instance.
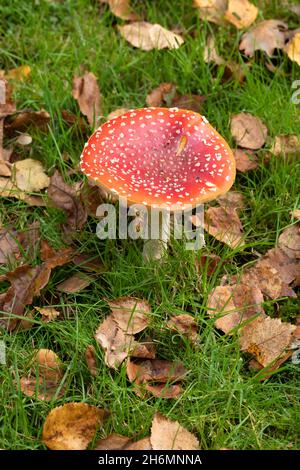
(223, 403)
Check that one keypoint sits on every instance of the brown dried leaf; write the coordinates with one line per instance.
(241, 13)
(44, 390)
(210, 52)
(142, 444)
(64, 197)
(288, 268)
(156, 370)
(293, 49)
(113, 442)
(7, 106)
(266, 338)
(23, 120)
(168, 391)
(267, 36)
(248, 131)
(9, 189)
(75, 283)
(116, 344)
(144, 350)
(232, 200)
(29, 175)
(212, 10)
(72, 426)
(245, 161)
(224, 224)
(90, 358)
(191, 102)
(186, 325)
(87, 93)
(48, 365)
(170, 435)
(236, 304)
(286, 145)
(208, 263)
(162, 95)
(122, 9)
(131, 314)
(147, 36)
(9, 246)
(48, 313)
(289, 241)
(88, 262)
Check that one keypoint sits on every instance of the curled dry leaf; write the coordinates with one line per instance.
(161, 95)
(29, 175)
(90, 359)
(286, 145)
(186, 325)
(116, 344)
(245, 160)
(293, 49)
(208, 263)
(289, 241)
(48, 313)
(241, 13)
(116, 113)
(88, 262)
(156, 370)
(287, 267)
(149, 36)
(212, 10)
(72, 426)
(75, 283)
(234, 305)
(23, 120)
(64, 197)
(170, 435)
(132, 315)
(248, 131)
(113, 442)
(266, 338)
(87, 93)
(266, 36)
(48, 364)
(122, 9)
(144, 350)
(224, 224)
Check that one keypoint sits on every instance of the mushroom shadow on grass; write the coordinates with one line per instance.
(161, 159)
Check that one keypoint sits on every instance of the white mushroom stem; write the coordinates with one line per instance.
(159, 230)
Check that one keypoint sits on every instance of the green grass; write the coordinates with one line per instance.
(223, 402)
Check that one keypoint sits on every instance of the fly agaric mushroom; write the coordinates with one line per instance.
(167, 157)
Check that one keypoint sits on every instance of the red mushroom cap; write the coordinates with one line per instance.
(160, 156)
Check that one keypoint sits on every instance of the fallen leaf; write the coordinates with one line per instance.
(241, 13)
(116, 113)
(48, 364)
(212, 10)
(296, 214)
(191, 102)
(287, 267)
(156, 370)
(293, 49)
(72, 426)
(9, 246)
(208, 263)
(286, 145)
(224, 224)
(267, 36)
(29, 176)
(9, 189)
(170, 435)
(245, 161)
(90, 359)
(64, 197)
(232, 200)
(234, 305)
(147, 36)
(289, 241)
(19, 73)
(74, 120)
(162, 95)
(132, 315)
(168, 391)
(266, 338)
(88, 262)
(116, 344)
(248, 131)
(186, 325)
(23, 120)
(142, 444)
(48, 313)
(87, 93)
(5, 168)
(75, 283)
(122, 9)
(112, 442)
(144, 350)
(7, 105)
